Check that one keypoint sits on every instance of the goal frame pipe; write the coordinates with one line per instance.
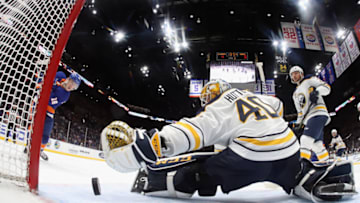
(39, 118)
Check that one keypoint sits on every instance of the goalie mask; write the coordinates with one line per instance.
(212, 89)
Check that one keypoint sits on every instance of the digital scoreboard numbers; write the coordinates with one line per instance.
(231, 56)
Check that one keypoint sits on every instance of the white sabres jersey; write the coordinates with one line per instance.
(240, 120)
(301, 98)
(338, 142)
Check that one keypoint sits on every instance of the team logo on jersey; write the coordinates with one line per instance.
(54, 101)
(301, 100)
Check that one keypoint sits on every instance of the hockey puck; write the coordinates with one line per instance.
(96, 186)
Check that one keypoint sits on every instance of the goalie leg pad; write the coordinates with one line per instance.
(180, 177)
(329, 183)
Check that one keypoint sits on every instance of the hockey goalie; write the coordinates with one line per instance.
(259, 146)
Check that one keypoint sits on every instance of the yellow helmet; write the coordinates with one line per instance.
(212, 89)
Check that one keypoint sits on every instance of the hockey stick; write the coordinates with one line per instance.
(298, 132)
(348, 136)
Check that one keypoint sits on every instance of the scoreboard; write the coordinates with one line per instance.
(231, 56)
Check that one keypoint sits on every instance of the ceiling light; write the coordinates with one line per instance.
(155, 10)
(176, 47)
(198, 20)
(94, 12)
(358, 2)
(303, 4)
(282, 16)
(275, 76)
(232, 12)
(191, 16)
(144, 68)
(185, 44)
(275, 43)
(129, 55)
(119, 36)
(275, 72)
(261, 53)
(269, 15)
(168, 30)
(157, 6)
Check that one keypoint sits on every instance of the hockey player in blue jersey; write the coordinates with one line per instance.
(259, 146)
(60, 93)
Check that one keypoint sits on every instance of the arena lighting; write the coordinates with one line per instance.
(185, 44)
(94, 12)
(187, 74)
(283, 46)
(177, 47)
(303, 4)
(275, 43)
(119, 36)
(341, 33)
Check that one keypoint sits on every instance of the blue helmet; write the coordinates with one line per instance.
(76, 78)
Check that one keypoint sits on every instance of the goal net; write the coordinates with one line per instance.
(33, 34)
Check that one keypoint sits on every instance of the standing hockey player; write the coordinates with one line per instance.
(12, 118)
(60, 93)
(312, 112)
(338, 143)
(259, 147)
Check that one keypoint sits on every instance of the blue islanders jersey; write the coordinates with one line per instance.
(58, 94)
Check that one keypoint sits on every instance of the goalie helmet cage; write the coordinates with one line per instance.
(33, 35)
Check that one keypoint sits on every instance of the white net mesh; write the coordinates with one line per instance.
(29, 31)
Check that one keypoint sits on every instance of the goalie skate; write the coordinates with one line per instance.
(140, 182)
(335, 191)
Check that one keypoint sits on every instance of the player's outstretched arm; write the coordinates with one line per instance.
(127, 149)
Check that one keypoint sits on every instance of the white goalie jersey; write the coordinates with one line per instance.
(248, 124)
(301, 97)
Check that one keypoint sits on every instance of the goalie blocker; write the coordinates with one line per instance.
(128, 150)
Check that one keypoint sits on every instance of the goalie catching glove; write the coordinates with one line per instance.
(127, 149)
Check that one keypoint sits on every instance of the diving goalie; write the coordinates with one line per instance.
(259, 146)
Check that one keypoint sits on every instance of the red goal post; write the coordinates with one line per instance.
(33, 35)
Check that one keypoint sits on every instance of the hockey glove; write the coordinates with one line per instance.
(126, 149)
(314, 95)
(297, 128)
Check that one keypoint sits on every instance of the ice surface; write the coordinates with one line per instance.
(68, 179)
